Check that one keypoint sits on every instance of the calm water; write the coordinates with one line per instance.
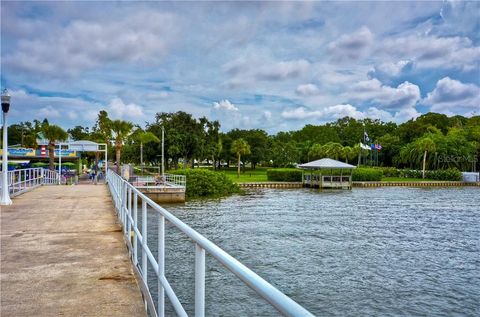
(382, 252)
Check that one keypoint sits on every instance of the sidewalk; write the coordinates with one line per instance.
(62, 254)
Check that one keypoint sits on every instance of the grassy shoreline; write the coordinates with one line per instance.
(260, 175)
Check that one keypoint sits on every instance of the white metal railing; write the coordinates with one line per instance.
(22, 180)
(170, 180)
(175, 180)
(126, 200)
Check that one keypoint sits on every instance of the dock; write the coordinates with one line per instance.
(167, 189)
(63, 254)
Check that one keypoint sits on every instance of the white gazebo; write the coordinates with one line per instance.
(327, 173)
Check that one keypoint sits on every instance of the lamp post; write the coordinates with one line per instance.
(5, 198)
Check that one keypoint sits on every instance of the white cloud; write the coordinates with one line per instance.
(391, 69)
(48, 112)
(144, 36)
(307, 90)
(118, 109)
(351, 46)
(267, 115)
(282, 70)
(29, 106)
(405, 95)
(347, 110)
(248, 71)
(154, 96)
(225, 105)
(452, 96)
(432, 52)
(328, 113)
(230, 116)
(300, 113)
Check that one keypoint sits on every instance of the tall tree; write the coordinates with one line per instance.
(121, 130)
(79, 133)
(348, 153)
(425, 144)
(53, 133)
(144, 137)
(240, 147)
(24, 133)
(333, 150)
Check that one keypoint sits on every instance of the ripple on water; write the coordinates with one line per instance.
(384, 251)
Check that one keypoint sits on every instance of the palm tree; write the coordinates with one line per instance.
(144, 137)
(333, 149)
(426, 144)
(316, 151)
(240, 147)
(52, 133)
(348, 152)
(121, 130)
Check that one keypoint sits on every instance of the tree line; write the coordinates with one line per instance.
(433, 140)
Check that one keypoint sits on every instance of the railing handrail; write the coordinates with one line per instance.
(22, 180)
(276, 298)
(171, 180)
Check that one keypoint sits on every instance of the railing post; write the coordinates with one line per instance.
(124, 207)
(135, 225)
(144, 240)
(161, 265)
(129, 212)
(199, 281)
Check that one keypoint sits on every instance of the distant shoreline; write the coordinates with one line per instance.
(364, 184)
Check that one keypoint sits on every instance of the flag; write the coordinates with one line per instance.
(373, 146)
(378, 147)
(365, 136)
(364, 146)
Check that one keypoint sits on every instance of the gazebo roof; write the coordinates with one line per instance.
(79, 145)
(326, 163)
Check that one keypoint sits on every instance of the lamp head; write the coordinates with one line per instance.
(5, 101)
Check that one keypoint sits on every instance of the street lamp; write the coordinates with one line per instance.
(5, 198)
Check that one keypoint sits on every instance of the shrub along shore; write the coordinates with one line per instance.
(362, 174)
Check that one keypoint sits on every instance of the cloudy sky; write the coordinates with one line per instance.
(275, 66)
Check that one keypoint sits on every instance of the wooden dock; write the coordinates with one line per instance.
(63, 254)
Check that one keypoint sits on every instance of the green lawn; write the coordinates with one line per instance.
(249, 175)
(402, 179)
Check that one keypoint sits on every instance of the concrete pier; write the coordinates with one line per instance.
(63, 254)
(164, 194)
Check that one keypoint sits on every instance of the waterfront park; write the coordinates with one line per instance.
(240, 159)
(253, 180)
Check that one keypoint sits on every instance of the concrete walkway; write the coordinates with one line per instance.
(62, 254)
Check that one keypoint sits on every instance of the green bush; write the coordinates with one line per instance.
(206, 183)
(284, 175)
(407, 173)
(451, 174)
(390, 172)
(367, 174)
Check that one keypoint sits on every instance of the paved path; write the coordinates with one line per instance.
(62, 254)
